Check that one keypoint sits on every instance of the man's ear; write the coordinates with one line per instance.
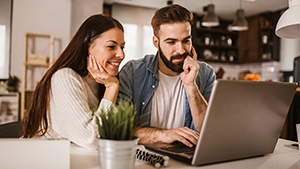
(155, 41)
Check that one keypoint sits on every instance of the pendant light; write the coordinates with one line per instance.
(169, 2)
(240, 23)
(210, 19)
(288, 25)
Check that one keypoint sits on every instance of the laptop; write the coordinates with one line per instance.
(34, 153)
(244, 119)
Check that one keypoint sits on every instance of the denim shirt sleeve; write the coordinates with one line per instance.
(138, 82)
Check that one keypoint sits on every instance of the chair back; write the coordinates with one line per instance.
(11, 129)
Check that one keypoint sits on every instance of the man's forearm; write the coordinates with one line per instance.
(148, 135)
(198, 106)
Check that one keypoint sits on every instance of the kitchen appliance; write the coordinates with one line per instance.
(296, 71)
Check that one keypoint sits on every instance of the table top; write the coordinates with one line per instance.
(283, 157)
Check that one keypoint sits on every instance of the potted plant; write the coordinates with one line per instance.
(117, 142)
(12, 84)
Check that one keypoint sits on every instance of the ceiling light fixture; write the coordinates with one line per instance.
(240, 23)
(169, 2)
(210, 19)
(288, 25)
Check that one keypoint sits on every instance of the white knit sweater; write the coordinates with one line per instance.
(72, 103)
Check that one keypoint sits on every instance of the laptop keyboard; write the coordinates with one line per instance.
(181, 149)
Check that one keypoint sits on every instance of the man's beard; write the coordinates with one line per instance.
(175, 67)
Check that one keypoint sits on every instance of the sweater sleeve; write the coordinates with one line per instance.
(71, 109)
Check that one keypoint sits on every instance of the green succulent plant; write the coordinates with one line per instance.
(117, 123)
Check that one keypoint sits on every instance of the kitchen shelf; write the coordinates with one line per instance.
(215, 44)
(255, 45)
(38, 57)
(10, 107)
(269, 43)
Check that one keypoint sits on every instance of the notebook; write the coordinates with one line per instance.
(34, 153)
(244, 119)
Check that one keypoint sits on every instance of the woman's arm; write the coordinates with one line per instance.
(72, 103)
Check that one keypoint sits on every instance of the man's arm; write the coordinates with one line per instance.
(197, 102)
(149, 135)
(198, 105)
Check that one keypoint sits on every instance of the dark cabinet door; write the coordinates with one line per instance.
(292, 119)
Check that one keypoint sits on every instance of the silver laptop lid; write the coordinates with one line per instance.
(244, 119)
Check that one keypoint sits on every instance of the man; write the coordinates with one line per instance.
(170, 89)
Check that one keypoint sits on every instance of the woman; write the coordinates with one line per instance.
(81, 82)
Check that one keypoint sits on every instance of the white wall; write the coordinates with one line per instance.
(38, 16)
(268, 71)
(56, 17)
(289, 49)
(82, 9)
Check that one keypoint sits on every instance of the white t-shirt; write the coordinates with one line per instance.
(167, 109)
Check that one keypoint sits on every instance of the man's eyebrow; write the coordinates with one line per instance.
(188, 37)
(174, 39)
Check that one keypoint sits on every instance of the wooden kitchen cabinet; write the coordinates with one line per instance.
(257, 44)
(269, 42)
(215, 43)
(289, 130)
(248, 42)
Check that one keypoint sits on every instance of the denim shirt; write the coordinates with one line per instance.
(139, 80)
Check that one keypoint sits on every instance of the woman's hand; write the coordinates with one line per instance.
(98, 73)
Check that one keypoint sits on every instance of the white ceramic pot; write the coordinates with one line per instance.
(114, 154)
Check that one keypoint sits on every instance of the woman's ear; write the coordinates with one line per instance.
(90, 48)
(155, 41)
(89, 51)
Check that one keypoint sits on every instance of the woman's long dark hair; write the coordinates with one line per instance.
(74, 57)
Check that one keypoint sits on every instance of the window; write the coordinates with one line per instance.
(137, 29)
(130, 31)
(148, 46)
(3, 73)
(138, 42)
(5, 22)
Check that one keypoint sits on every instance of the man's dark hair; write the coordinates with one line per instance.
(170, 14)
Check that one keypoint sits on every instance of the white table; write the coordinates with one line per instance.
(283, 158)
